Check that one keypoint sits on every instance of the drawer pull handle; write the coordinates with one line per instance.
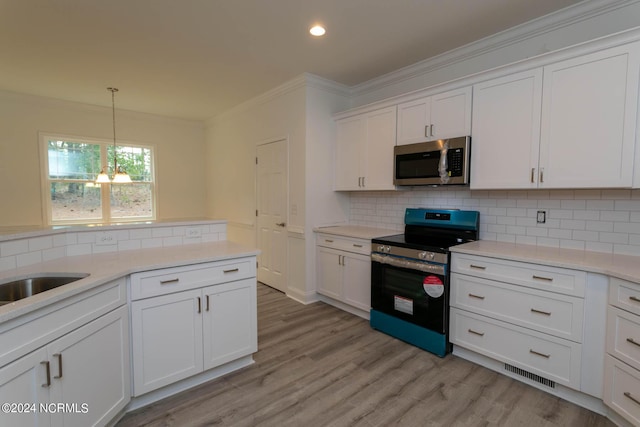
(199, 305)
(477, 267)
(59, 357)
(628, 395)
(328, 241)
(546, 279)
(476, 296)
(207, 296)
(233, 270)
(546, 313)
(357, 246)
(634, 342)
(546, 356)
(471, 331)
(166, 282)
(636, 299)
(48, 368)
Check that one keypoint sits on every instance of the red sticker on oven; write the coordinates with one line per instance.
(433, 286)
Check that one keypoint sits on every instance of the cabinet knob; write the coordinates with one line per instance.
(281, 224)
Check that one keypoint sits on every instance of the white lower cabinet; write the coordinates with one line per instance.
(622, 363)
(525, 315)
(344, 270)
(184, 333)
(86, 370)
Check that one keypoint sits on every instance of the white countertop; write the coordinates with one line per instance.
(625, 267)
(356, 231)
(103, 268)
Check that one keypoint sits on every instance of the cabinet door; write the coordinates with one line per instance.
(351, 134)
(588, 120)
(91, 366)
(381, 138)
(329, 272)
(451, 114)
(230, 323)
(357, 281)
(166, 339)
(413, 121)
(506, 131)
(25, 381)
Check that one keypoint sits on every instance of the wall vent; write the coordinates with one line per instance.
(530, 376)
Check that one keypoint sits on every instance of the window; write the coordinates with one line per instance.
(70, 193)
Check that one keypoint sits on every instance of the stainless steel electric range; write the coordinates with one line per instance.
(410, 276)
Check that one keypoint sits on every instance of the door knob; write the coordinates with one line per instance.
(280, 224)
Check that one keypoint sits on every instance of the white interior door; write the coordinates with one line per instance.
(272, 214)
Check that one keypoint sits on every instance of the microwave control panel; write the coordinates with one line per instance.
(455, 160)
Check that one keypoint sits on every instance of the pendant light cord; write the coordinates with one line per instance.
(113, 109)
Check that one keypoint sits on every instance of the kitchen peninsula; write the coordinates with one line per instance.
(156, 314)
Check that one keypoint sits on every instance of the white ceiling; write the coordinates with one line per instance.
(197, 58)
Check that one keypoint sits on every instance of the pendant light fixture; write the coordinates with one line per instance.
(119, 175)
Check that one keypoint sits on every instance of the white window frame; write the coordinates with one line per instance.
(47, 210)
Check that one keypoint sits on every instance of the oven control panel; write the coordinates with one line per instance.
(415, 254)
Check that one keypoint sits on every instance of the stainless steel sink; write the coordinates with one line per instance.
(19, 289)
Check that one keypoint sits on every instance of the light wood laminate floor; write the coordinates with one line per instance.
(319, 366)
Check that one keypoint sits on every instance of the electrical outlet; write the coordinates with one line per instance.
(193, 232)
(106, 239)
(542, 217)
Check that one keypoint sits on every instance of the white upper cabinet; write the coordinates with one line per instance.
(567, 125)
(364, 151)
(589, 113)
(506, 131)
(444, 115)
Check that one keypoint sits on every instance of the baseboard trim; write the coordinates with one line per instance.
(153, 396)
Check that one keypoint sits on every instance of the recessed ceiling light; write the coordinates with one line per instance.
(317, 30)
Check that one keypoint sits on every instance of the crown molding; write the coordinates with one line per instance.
(301, 81)
(534, 28)
(46, 102)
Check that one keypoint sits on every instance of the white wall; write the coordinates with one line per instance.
(300, 111)
(232, 139)
(179, 148)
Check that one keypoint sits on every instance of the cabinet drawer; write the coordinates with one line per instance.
(551, 313)
(623, 336)
(552, 358)
(622, 389)
(358, 246)
(169, 280)
(625, 295)
(570, 282)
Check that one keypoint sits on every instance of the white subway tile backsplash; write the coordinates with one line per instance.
(605, 226)
(151, 243)
(40, 243)
(587, 236)
(28, 251)
(596, 220)
(614, 216)
(7, 263)
(29, 258)
(570, 224)
(14, 247)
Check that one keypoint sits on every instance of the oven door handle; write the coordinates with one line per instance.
(408, 264)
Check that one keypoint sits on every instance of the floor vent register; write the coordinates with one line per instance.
(530, 376)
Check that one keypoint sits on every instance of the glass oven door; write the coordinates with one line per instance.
(414, 291)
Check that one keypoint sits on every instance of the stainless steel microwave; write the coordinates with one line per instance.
(441, 162)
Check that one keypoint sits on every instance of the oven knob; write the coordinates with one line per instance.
(422, 255)
(380, 248)
(431, 256)
(387, 249)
